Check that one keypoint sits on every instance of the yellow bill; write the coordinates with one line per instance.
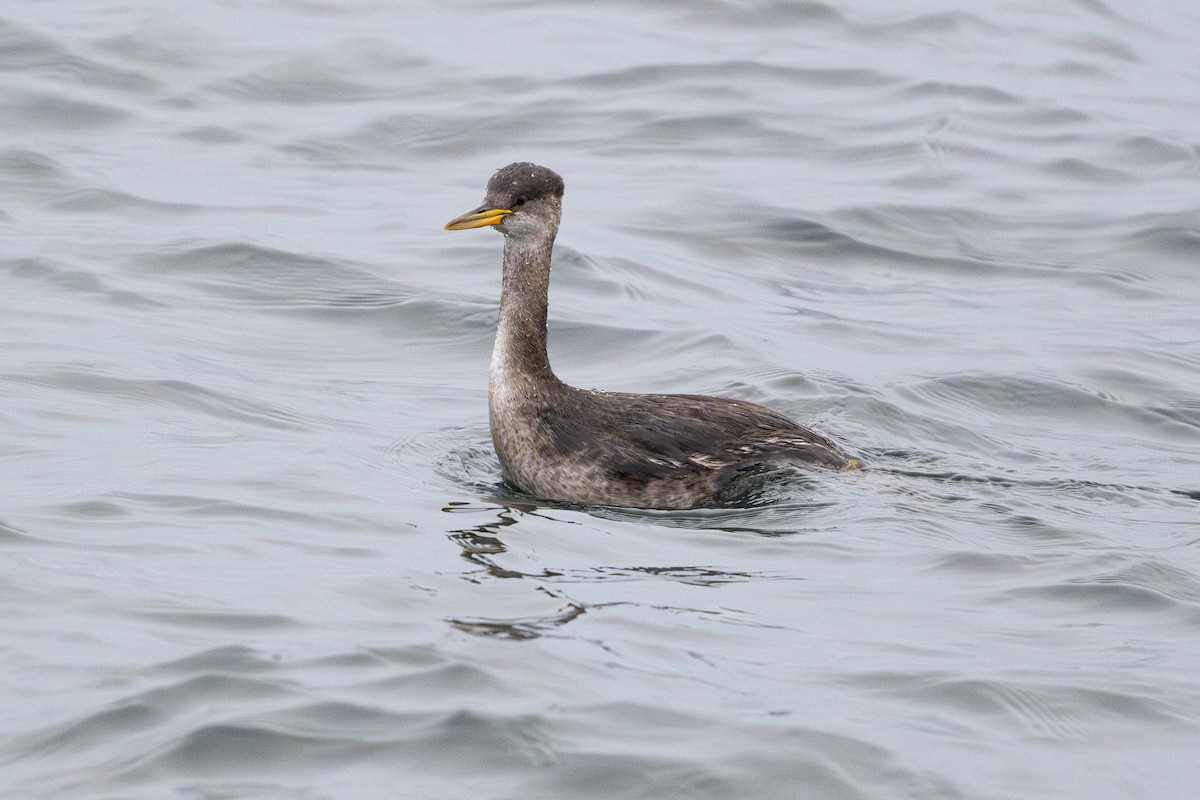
(479, 218)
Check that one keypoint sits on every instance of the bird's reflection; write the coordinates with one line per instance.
(479, 543)
(530, 627)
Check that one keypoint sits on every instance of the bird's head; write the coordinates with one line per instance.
(521, 198)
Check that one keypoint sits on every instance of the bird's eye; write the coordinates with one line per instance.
(520, 201)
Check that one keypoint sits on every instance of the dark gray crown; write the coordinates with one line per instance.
(513, 185)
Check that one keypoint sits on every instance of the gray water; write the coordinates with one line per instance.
(253, 540)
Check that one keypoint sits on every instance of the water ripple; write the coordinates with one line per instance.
(255, 539)
(166, 392)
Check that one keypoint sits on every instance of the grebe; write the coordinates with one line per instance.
(665, 451)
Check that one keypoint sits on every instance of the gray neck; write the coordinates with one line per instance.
(521, 334)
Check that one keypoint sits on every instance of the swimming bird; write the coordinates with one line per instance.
(663, 451)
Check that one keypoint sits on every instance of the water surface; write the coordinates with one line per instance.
(252, 534)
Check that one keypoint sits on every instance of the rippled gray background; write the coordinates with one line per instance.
(252, 538)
